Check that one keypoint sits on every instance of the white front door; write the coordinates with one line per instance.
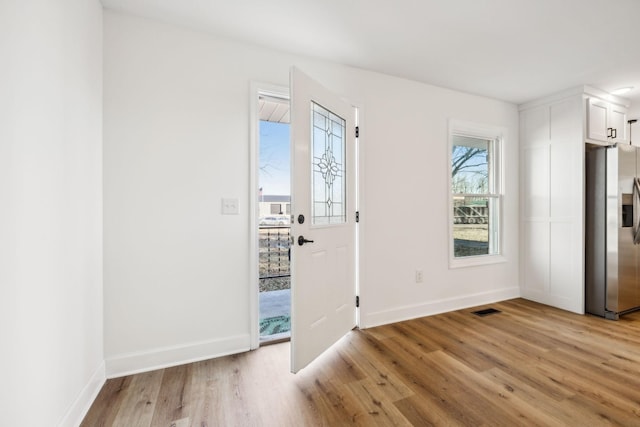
(323, 183)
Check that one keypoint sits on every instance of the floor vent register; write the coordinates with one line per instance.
(486, 312)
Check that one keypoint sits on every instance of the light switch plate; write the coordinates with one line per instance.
(229, 206)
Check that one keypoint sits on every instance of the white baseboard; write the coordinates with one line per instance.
(159, 358)
(81, 405)
(407, 312)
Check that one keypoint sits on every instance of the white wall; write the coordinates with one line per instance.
(177, 140)
(634, 113)
(405, 155)
(51, 210)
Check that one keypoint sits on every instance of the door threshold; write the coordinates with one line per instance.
(275, 339)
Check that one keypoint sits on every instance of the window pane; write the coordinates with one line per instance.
(473, 221)
(470, 163)
(328, 148)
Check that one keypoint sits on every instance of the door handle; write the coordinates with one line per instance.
(636, 208)
(302, 240)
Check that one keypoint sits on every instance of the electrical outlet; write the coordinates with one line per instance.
(419, 276)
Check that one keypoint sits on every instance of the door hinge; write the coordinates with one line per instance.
(357, 301)
(357, 131)
(357, 216)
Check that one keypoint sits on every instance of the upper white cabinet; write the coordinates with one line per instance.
(606, 121)
(618, 122)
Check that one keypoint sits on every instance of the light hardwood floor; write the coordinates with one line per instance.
(529, 365)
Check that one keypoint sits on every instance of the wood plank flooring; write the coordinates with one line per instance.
(528, 365)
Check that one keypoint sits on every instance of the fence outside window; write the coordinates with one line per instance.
(274, 265)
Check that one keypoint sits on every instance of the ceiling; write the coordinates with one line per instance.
(272, 109)
(513, 50)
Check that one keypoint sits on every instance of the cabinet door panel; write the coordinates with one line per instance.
(597, 120)
(618, 121)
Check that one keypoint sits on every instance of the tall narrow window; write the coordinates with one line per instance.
(475, 193)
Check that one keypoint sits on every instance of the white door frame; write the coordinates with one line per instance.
(256, 89)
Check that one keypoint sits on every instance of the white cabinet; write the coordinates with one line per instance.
(551, 197)
(618, 122)
(553, 132)
(606, 121)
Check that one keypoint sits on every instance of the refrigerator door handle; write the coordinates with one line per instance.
(636, 207)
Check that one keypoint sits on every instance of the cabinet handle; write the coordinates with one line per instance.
(609, 132)
(614, 135)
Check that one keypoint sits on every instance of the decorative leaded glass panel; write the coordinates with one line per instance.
(328, 183)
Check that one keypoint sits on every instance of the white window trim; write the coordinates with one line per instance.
(475, 130)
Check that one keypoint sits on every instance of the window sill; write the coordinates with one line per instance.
(474, 261)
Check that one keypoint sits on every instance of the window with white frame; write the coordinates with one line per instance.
(276, 208)
(476, 194)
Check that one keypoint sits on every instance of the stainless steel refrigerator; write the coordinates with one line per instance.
(612, 237)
